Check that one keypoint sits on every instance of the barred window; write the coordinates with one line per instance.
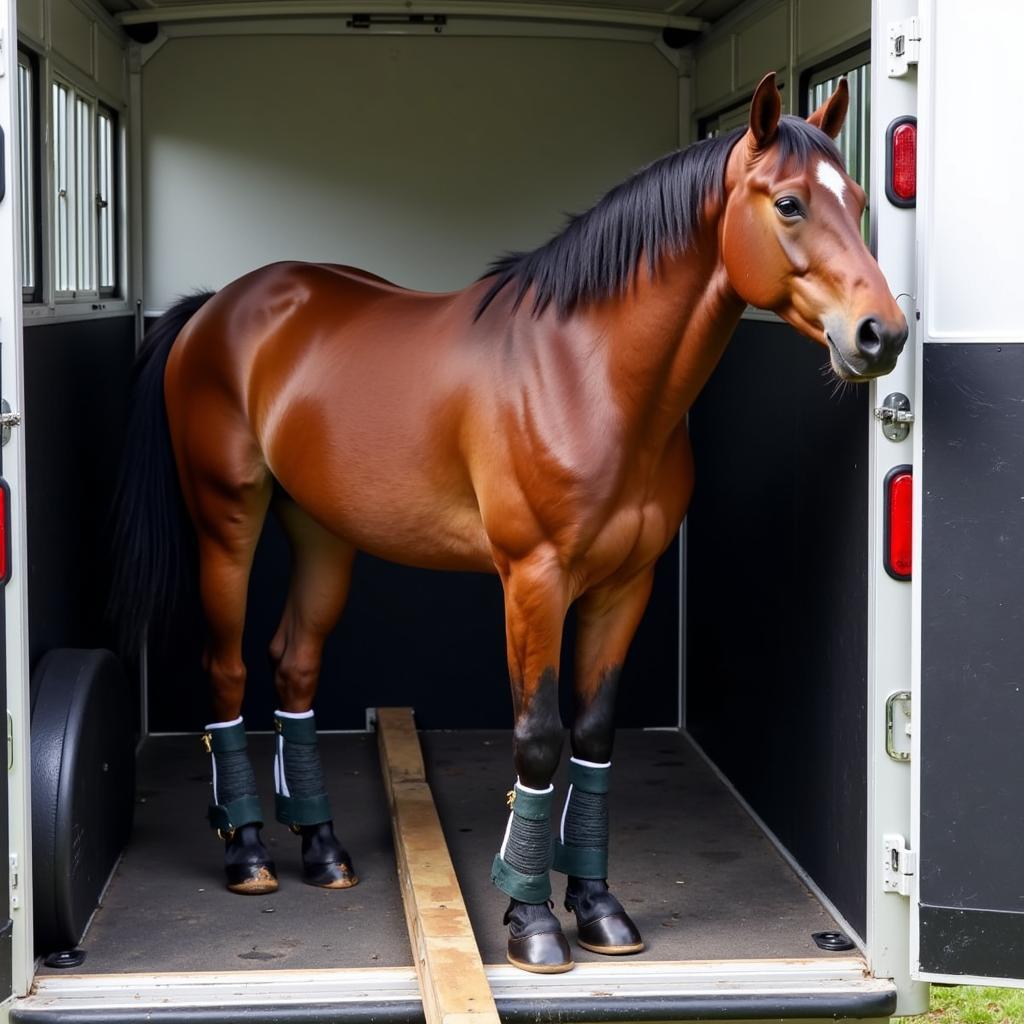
(84, 183)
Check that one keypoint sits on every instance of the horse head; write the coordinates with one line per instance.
(791, 239)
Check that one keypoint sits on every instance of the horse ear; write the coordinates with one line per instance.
(831, 115)
(765, 111)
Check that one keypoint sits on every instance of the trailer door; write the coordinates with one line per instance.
(968, 753)
(16, 954)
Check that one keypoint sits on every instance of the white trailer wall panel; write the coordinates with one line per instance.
(416, 158)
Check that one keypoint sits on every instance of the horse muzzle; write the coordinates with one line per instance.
(869, 350)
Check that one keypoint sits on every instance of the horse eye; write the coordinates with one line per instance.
(789, 207)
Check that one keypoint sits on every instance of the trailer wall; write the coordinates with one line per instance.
(419, 158)
(77, 368)
(777, 538)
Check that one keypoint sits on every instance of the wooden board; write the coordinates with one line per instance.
(451, 973)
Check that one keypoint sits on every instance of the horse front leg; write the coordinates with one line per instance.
(607, 621)
(536, 600)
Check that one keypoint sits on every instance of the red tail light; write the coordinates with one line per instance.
(901, 162)
(899, 512)
(5, 532)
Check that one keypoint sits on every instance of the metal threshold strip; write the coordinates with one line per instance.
(722, 990)
(449, 984)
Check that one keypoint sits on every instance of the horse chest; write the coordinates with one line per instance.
(631, 531)
(628, 540)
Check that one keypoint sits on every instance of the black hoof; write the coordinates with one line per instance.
(602, 925)
(535, 939)
(325, 862)
(247, 864)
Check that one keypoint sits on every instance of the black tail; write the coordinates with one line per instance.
(152, 549)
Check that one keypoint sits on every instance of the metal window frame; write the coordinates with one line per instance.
(29, 136)
(62, 227)
(49, 301)
(104, 110)
(77, 161)
(84, 158)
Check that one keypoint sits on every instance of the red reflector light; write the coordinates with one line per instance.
(899, 512)
(901, 162)
(5, 532)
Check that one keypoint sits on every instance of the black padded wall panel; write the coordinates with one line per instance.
(77, 381)
(972, 653)
(777, 598)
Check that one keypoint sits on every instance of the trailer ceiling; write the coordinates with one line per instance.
(686, 14)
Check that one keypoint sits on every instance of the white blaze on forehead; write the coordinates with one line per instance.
(832, 180)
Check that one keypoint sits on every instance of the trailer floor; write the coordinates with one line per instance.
(694, 872)
(699, 878)
(166, 908)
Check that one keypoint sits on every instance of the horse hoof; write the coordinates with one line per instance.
(330, 876)
(614, 935)
(541, 953)
(535, 939)
(602, 925)
(251, 879)
(325, 862)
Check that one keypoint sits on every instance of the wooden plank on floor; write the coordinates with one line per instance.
(451, 973)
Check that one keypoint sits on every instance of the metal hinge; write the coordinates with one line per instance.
(8, 419)
(12, 868)
(900, 864)
(904, 46)
(895, 416)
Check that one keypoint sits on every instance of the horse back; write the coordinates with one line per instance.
(351, 390)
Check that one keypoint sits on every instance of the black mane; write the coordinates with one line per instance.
(654, 212)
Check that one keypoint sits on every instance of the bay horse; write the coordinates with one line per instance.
(532, 425)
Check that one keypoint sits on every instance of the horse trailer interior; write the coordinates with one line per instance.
(771, 799)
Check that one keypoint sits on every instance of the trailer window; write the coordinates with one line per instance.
(854, 140)
(105, 206)
(27, 174)
(84, 184)
(63, 194)
(84, 192)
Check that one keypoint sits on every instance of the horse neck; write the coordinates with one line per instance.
(667, 336)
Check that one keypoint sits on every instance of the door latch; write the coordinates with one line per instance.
(899, 866)
(904, 46)
(12, 876)
(895, 416)
(8, 419)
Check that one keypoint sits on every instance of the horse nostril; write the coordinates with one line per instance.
(869, 337)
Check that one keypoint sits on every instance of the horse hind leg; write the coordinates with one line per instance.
(319, 588)
(228, 501)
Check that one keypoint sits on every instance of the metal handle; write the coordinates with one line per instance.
(900, 697)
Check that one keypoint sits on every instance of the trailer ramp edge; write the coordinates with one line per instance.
(451, 973)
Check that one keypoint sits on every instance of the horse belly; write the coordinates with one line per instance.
(427, 533)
